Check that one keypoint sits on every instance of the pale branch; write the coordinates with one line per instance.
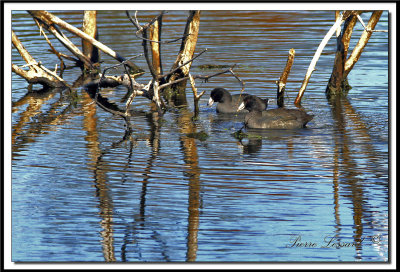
(238, 78)
(37, 73)
(64, 40)
(362, 42)
(136, 23)
(155, 34)
(49, 43)
(172, 82)
(317, 54)
(368, 29)
(50, 19)
(194, 89)
(156, 96)
(89, 26)
(196, 96)
(54, 74)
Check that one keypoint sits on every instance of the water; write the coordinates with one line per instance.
(81, 191)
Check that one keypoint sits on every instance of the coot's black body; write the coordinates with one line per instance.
(228, 103)
(280, 118)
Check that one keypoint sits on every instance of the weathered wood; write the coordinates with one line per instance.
(58, 54)
(50, 19)
(175, 94)
(155, 35)
(317, 54)
(283, 79)
(338, 82)
(89, 26)
(362, 42)
(196, 95)
(339, 21)
(64, 40)
(37, 73)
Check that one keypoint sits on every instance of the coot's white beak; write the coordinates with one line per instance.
(241, 107)
(210, 102)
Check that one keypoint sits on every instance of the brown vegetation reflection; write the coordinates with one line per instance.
(24, 130)
(346, 173)
(100, 177)
(189, 149)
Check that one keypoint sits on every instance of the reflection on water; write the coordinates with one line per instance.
(87, 189)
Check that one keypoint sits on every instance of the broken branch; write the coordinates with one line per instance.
(283, 79)
(50, 19)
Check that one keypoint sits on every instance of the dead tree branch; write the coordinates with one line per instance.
(89, 26)
(58, 54)
(281, 83)
(175, 94)
(340, 20)
(37, 73)
(196, 96)
(49, 19)
(362, 42)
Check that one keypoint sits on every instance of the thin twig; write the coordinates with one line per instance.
(173, 82)
(366, 28)
(206, 78)
(49, 43)
(136, 23)
(183, 64)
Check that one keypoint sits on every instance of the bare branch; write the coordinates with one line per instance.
(281, 83)
(49, 19)
(183, 64)
(206, 78)
(136, 23)
(366, 28)
(49, 43)
(317, 54)
(356, 53)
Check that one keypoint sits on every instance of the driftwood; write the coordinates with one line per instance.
(58, 54)
(37, 72)
(49, 20)
(281, 83)
(63, 39)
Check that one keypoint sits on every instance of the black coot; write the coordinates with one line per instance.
(280, 118)
(228, 103)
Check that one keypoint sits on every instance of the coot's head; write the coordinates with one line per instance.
(253, 103)
(218, 95)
